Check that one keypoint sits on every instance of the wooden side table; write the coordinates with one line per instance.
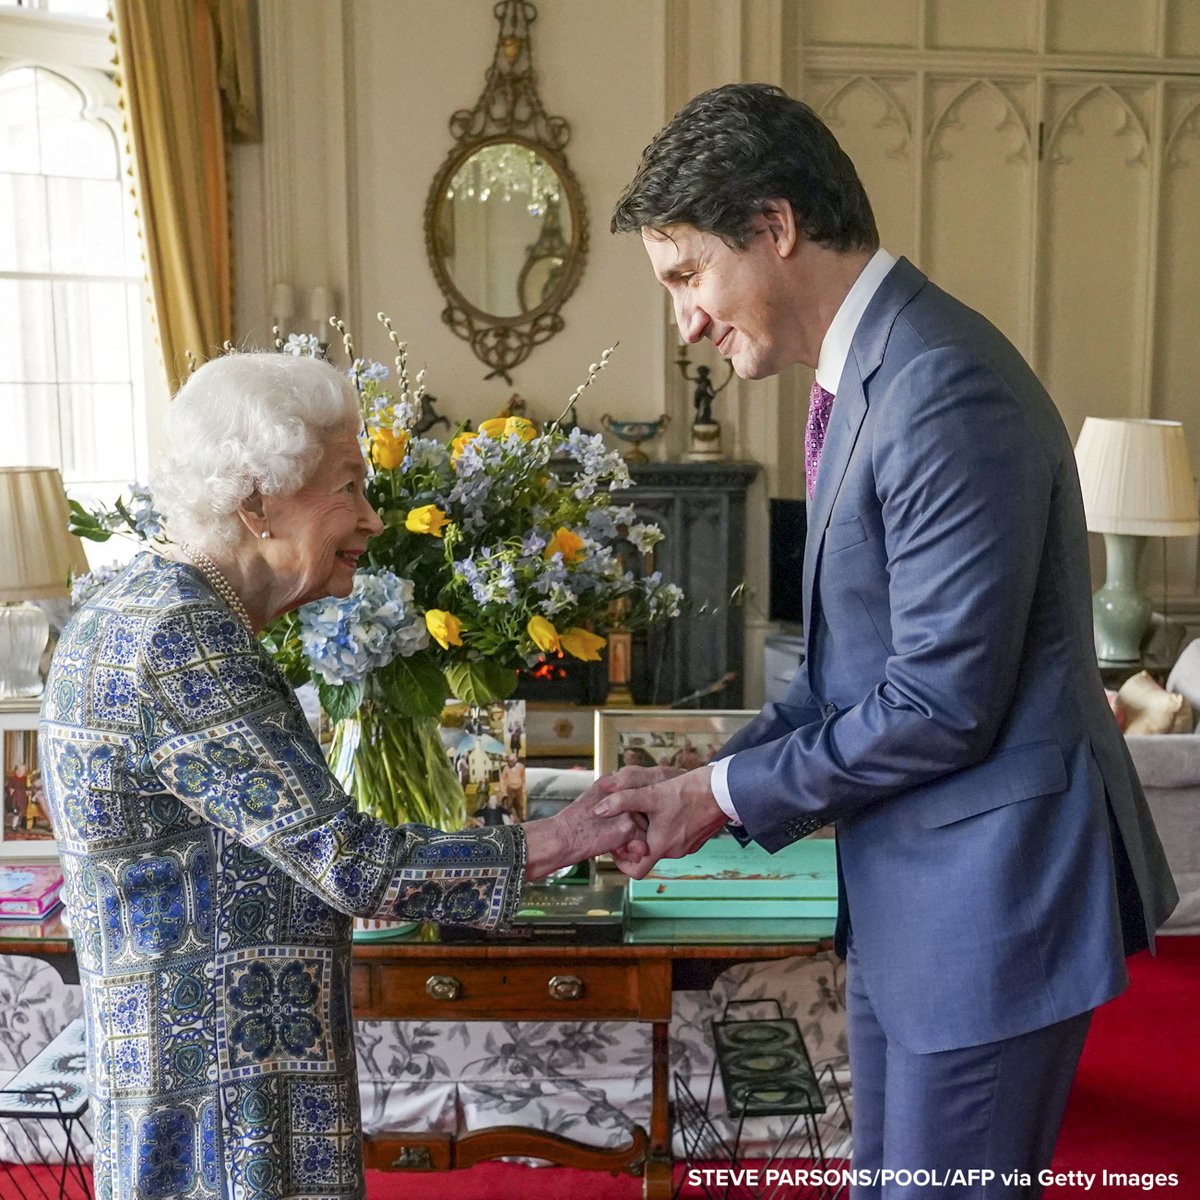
(633, 981)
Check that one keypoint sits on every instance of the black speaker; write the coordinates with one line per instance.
(788, 526)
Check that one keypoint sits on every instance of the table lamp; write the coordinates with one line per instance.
(1137, 483)
(36, 556)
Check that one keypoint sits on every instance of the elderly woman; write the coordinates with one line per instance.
(213, 865)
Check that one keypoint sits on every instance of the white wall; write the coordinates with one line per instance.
(357, 100)
(357, 96)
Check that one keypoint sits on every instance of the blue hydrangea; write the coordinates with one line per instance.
(345, 639)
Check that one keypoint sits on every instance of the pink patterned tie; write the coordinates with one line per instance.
(820, 405)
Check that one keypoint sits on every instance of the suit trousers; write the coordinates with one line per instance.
(997, 1106)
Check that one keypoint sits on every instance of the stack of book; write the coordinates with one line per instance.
(29, 892)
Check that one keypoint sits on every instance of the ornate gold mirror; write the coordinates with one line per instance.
(505, 224)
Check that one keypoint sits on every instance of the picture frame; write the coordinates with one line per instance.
(647, 737)
(560, 730)
(486, 745)
(25, 831)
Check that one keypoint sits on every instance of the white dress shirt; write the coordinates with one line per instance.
(835, 347)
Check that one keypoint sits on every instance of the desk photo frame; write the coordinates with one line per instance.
(671, 737)
(25, 831)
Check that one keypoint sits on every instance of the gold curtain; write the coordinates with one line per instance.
(187, 80)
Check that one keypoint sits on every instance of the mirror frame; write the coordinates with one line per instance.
(508, 110)
(505, 342)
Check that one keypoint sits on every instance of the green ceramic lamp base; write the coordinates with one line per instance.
(1120, 612)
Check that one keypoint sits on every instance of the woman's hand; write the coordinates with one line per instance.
(577, 832)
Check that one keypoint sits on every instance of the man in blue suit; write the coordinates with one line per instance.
(997, 859)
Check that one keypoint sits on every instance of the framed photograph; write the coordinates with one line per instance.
(486, 745)
(24, 820)
(667, 737)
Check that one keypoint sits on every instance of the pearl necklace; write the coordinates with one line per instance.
(217, 582)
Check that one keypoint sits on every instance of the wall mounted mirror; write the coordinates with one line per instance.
(505, 224)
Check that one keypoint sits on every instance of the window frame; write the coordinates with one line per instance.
(78, 49)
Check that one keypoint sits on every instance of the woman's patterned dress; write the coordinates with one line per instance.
(212, 869)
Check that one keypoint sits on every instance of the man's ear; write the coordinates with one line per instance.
(781, 225)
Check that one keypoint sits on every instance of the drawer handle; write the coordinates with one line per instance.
(566, 987)
(443, 987)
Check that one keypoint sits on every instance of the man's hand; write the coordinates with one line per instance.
(680, 807)
(578, 832)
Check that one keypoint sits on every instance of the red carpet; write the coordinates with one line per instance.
(1135, 1109)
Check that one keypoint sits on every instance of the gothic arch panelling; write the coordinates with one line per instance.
(948, 117)
(872, 117)
(1096, 255)
(980, 179)
(1128, 121)
(1176, 364)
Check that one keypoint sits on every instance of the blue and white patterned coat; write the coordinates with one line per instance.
(212, 869)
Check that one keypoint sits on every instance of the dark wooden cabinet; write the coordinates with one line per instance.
(701, 508)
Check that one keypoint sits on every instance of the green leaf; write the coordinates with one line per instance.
(86, 524)
(413, 686)
(481, 681)
(339, 700)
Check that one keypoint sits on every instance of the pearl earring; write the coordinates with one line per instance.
(266, 533)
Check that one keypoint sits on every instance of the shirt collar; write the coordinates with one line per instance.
(836, 345)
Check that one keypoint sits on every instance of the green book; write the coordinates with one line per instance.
(723, 870)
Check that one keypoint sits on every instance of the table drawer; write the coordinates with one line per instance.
(500, 989)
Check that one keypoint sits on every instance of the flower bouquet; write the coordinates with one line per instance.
(489, 559)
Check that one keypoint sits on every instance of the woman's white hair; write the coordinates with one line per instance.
(241, 423)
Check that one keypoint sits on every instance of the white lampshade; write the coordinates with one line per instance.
(36, 551)
(1136, 477)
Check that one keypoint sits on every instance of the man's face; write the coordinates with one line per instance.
(737, 299)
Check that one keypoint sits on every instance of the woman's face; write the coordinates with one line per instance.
(319, 532)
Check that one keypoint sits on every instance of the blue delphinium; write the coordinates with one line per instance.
(84, 587)
(147, 520)
(345, 639)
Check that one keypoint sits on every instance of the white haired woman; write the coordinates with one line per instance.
(213, 865)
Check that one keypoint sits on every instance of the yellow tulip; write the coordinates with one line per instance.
(524, 429)
(499, 428)
(543, 634)
(426, 519)
(566, 543)
(460, 444)
(583, 644)
(445, 628)
(388, 448)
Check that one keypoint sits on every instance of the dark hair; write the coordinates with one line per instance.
(733, 147)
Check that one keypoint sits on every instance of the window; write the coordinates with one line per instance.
(79, 361)
(83, 8)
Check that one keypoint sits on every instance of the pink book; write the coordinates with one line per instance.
(29, 891)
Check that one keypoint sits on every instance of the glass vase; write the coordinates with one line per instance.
(397, 769)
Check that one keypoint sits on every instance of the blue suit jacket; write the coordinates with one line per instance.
(996, 852)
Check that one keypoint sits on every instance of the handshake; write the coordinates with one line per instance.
(637, 814)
